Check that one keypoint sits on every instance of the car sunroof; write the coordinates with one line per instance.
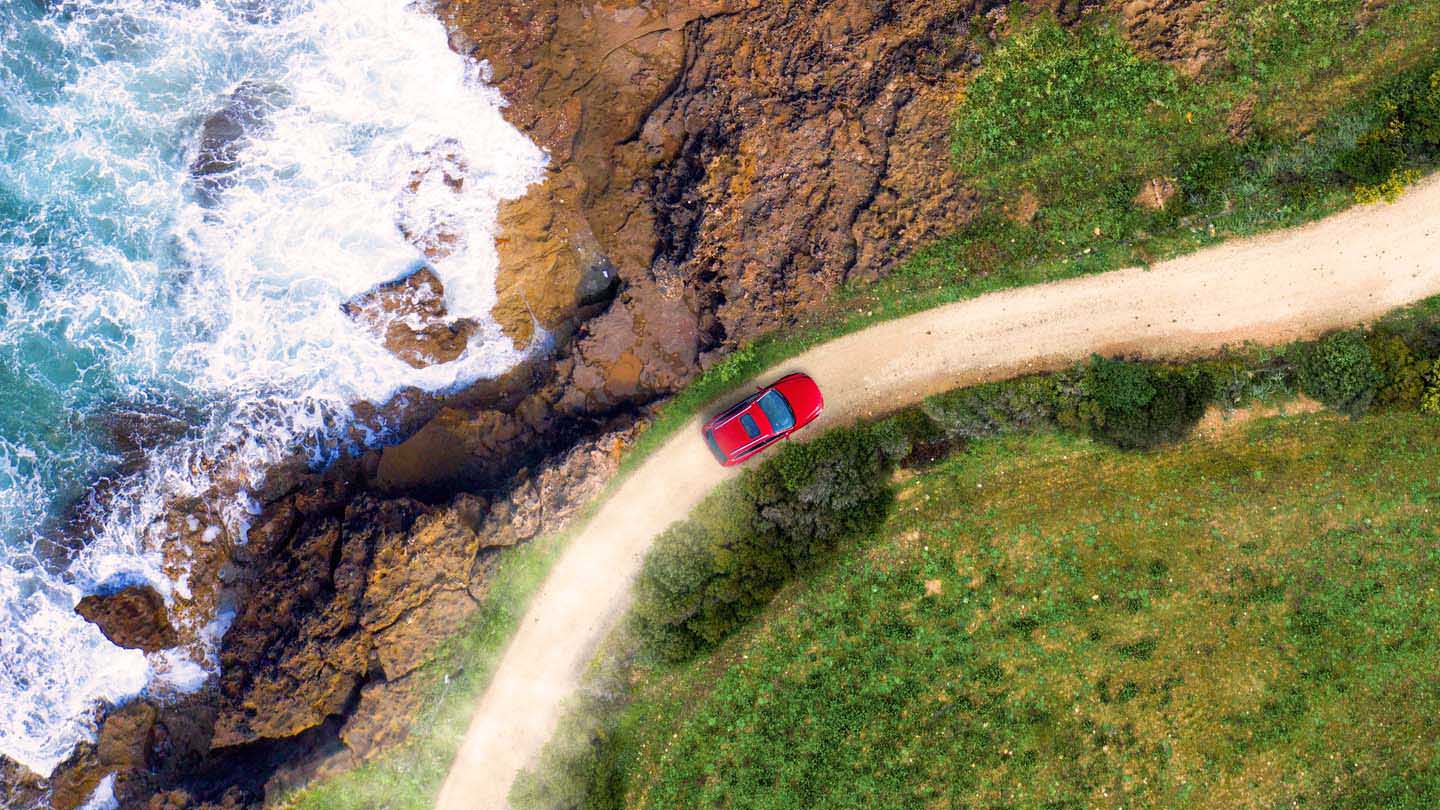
(751, 429)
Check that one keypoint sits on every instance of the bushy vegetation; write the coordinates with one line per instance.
(1139, 405)
(1340, 372)
(707, 575)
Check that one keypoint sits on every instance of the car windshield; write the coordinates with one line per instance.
(777, 410)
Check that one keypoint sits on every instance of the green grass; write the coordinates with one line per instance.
(1045, 622)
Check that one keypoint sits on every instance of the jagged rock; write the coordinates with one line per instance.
(417, 591)
(127, 737)
(644, 346)
(545, 501)
(134, 617)
(1175, 31)
(19, 788)
(408, 315)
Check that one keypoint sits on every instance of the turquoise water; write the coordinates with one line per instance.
(156, 341)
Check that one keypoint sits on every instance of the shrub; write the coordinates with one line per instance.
(1402, 372)
(987, 410)
(815, 493)
(1340, 372)
(1139, 405)
(1237, 381)
(1430, 400)
(707, 575)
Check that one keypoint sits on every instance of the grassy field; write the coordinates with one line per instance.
(1249, 621)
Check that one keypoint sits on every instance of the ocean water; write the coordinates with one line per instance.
(199, 327)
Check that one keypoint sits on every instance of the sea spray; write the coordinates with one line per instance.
(130, 290)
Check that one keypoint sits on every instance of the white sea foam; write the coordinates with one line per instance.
(232, 311)
(103, 797)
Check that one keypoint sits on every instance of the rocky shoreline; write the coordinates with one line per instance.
(718, 168)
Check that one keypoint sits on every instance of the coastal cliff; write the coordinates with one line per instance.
(718, 168)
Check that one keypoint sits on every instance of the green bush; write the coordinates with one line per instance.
(1402, 372)
(1340, 372)
(1238, 381)
(1139, 405)
(994, 408)
(707, 575)
(1430, 400)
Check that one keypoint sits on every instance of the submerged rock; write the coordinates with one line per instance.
(227, 132)
(409, 316)
(134, 618)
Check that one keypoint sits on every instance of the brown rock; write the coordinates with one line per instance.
(1156, 193)
(409, 316)
(75, 780)
(1241, 120)
(134, 617)
(1175, 31)
(127, 737)
(417, 592)
(382, 718)
(456, 446)
(546, 251)
(19, 788)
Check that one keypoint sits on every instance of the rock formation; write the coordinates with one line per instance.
(133, 617)
(226, 132)
(409, 317)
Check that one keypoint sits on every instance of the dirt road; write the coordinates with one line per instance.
(1294, 284)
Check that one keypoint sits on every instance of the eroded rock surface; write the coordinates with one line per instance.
(133, 617)
(409, 316)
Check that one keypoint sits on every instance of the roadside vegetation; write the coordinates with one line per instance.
(1034, 593)
(1312, 106)
(1345, 107)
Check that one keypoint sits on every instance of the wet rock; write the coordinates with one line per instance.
(134, 617)
(598, 283)
(19, 788)
(546, 251)
(127, 736)
(226, 133)
(409, 317)
(428, 216)
(75, 779)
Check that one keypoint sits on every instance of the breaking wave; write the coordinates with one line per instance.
(171, 337)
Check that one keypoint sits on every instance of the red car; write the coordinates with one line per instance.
(765, 417)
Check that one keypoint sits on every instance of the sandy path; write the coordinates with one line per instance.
(1293, 284)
